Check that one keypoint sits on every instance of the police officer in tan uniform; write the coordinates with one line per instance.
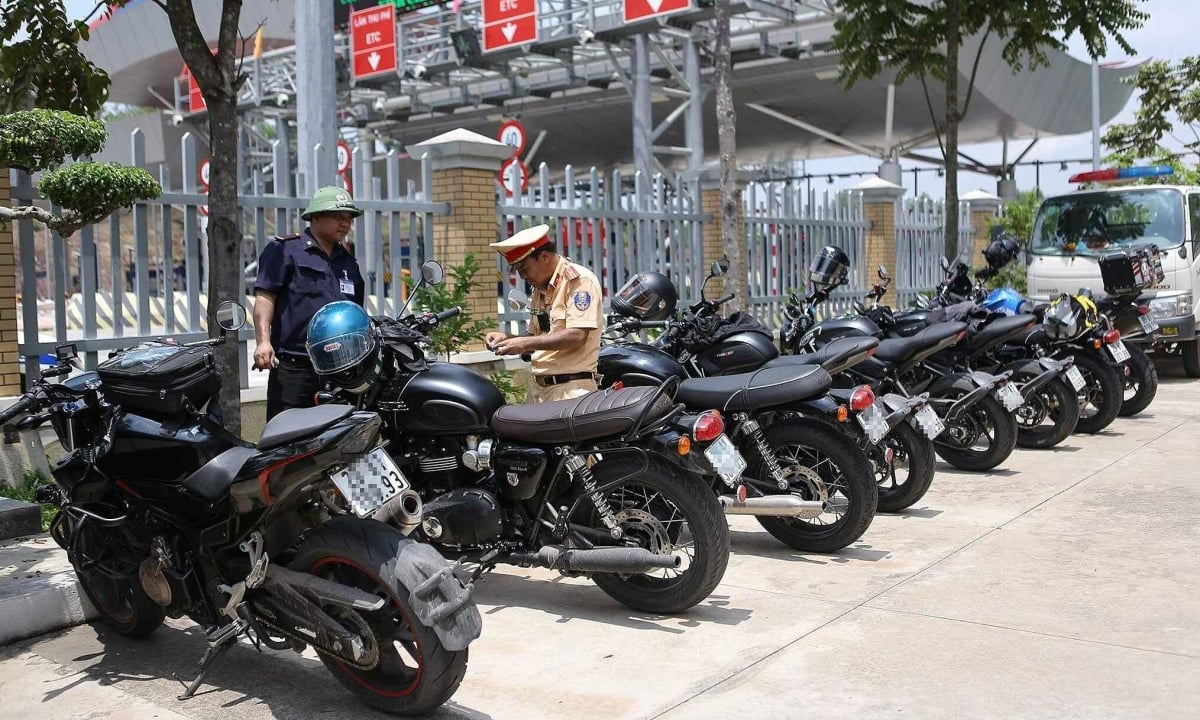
(568, 317)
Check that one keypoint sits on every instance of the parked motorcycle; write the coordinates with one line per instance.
(810, 484)
(162, 512)
(612, 485)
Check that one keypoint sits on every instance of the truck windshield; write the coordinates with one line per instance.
(1095, 223)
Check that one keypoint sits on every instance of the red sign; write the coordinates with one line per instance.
(512, 134)
(509, 178)
(373, 41)
(195, 97)
(508, 23)
(642, 9)
(205, 165)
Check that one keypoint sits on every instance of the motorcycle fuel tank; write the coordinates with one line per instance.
(741, 352)
(636, 364)
(443, 399)
(827, 331)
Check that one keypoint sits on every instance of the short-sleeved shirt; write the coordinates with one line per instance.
(304, 279)
(573, 300)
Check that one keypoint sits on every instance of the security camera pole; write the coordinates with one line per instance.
(315, 109)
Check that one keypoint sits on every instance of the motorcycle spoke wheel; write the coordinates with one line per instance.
(830, 485)
(655, 522)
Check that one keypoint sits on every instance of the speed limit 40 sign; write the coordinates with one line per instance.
(512, 134)
(343, 156)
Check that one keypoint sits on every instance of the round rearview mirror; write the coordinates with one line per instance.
(882, 272)
(517, 300)
(231, 316)
(431, 273)
(945, 263)
(719, 268)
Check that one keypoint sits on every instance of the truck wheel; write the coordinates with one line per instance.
(1191, 358)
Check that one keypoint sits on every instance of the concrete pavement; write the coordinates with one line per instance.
(1060, 586)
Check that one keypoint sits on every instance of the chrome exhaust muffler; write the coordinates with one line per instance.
(403, 511)
(772, 506)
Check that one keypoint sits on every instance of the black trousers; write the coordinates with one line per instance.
(294, 384)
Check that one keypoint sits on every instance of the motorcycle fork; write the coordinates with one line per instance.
(746, 425)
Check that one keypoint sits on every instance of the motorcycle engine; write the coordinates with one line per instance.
(466, 517)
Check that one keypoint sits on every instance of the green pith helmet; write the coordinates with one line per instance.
(330, 199)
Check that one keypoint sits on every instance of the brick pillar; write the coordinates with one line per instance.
(464, 174)
(710, 202)
(880, 199)
(10, 377)
(983, 208)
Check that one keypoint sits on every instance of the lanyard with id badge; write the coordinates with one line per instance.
(346, 284)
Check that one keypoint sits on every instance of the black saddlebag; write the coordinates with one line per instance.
(161, 381)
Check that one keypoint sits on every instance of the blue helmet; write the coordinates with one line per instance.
(1004, 300)
(342, 345)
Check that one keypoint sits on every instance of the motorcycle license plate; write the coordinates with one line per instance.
(1149, 324)
(1118, 351)
(370, 481)
(1075, 378)
(1010, 397)
(724, 456)
(929, 422)
(873, 422)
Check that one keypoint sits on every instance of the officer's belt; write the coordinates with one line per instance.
(549, 380)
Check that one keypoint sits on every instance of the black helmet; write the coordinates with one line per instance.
(829, 268)
(647, 296)
(1001, 250)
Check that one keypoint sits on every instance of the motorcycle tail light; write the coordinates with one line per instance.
(1112, 336)
(618, 385)
(708, 427)
(862, 398)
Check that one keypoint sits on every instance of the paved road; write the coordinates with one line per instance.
(1062, 586)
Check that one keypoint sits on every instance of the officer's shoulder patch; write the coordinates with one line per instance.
(285, 238)
(582, 300)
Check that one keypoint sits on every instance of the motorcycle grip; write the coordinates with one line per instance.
(25, 403)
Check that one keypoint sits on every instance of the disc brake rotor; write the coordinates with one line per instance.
(642, 524)
(807, 479)
(1034, 412)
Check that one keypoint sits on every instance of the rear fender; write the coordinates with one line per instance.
(1031, 374)
(943, 389)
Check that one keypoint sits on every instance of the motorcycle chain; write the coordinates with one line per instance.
(304, 640)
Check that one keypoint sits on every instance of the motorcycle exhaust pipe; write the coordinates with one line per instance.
(960, 406)
(601, 559)
(772, 506)
(1032, 386)
(403, 511)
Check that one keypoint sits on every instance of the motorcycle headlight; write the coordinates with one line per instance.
(1172, 306)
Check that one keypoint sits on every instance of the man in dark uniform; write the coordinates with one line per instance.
(297, 276)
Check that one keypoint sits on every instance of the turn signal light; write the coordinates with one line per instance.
(862, 398)
(1096, 344)
(1112, 336)
(843, 413)
(683, 446)
(708, 427)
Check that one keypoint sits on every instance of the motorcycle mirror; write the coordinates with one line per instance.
(945, 264)
(719, 268)
(231, 316)
(883, 272)
(431, 272)
(517, 300)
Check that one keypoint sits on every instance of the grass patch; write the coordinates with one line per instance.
(24, 491)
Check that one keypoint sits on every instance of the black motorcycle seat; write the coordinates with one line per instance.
(898, 350)
(1035, 335)
(758, 390)
(600, 414)
(212, 480)
(296, 423)
(834, 357)
(1000, 330)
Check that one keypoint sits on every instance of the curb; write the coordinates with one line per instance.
(38, 590)
(18, 519)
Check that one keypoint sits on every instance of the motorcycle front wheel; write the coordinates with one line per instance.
(980, 438)
(822, 464)
(668, 512)
(1141, 385)
(415, 673)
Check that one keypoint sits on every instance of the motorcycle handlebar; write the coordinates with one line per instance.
(447, 314)
(723, 300)
(26, 403)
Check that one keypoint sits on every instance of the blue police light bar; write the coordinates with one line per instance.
(1119, 174)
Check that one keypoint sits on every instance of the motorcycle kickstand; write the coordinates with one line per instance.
(219, 641)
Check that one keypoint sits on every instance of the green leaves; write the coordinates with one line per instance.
(33, 140)
(1168, 95)
(46, 68)
(451, 335)
(94, 190)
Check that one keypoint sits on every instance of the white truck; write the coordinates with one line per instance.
(1073, 230)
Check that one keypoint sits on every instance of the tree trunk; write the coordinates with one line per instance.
(218, 78)
(953, 24)
(732, 222)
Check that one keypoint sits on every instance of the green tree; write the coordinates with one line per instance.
(923, 38)
(1169, 106)
(60, 78)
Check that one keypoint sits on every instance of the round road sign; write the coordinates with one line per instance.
(512, 134)
(343, 156)
(508, 179)
(204, 167)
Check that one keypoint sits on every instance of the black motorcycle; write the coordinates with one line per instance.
(613, 485)
(164, 512)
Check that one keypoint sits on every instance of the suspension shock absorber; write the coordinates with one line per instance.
(749, 426)
(581, 473)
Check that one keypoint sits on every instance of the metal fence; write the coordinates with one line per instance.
(785, 227)
(920, 245)
(615, 225)
(141, 273)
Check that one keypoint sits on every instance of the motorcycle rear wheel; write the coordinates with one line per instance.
(912, 452)
(1142, 383)
(844, 472)
(647, 505)
(1100, 399)
(1055, 401)
(985, 418)
(416, 674)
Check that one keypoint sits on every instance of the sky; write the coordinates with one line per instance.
(1167, 35)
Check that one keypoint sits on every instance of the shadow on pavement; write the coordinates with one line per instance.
(742, 542)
